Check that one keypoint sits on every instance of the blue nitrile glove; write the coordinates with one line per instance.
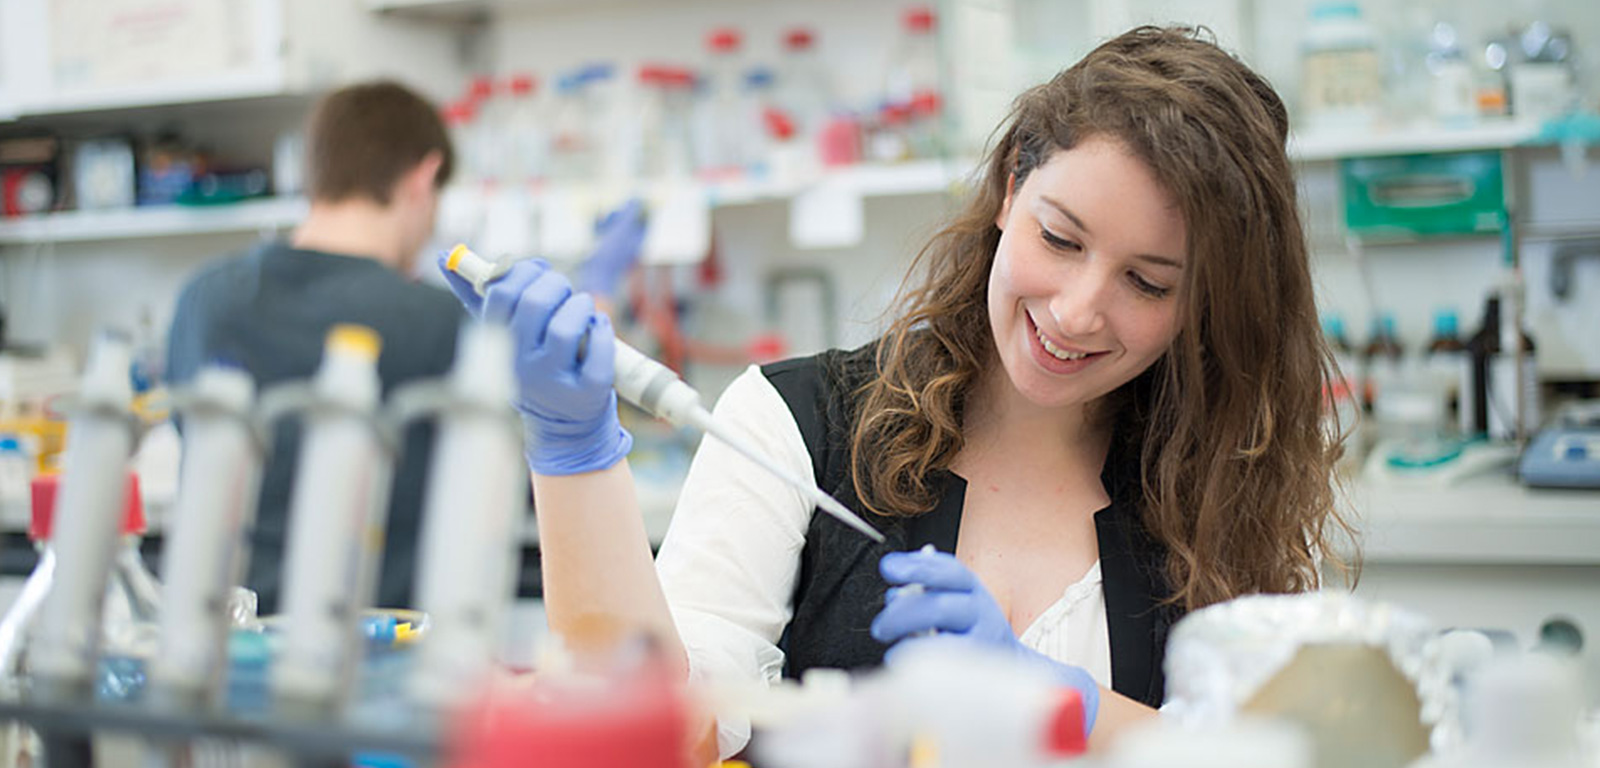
(953, 602)
(569, 410)
(619, 237)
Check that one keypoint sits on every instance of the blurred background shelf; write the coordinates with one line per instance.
(272, 214)
(1501, 134)
(265, 214)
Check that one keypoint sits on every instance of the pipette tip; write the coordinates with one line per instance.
(844, 515)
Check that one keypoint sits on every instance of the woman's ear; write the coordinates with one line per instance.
(1005, 207)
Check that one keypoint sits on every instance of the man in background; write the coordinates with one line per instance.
(377, 156)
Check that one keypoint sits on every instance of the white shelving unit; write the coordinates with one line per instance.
(265, 214)
(928, 177)
(1502, 134)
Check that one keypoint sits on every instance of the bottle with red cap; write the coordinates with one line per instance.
(805, 96)
(722, 136)
(913, 98)
(482, 148)
(666, 102)
(459, 117)
(524, 130)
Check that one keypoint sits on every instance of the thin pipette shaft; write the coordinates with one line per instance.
(809, 490)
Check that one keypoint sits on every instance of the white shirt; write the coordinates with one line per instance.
(731, 557)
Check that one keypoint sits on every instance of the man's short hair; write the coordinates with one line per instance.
(362, 138)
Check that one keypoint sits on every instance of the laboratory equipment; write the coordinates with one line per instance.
(1415, 196)
(579, 123)
(1341, 72)
(722, 135)
(1384, 359)
(948, 703)
(1244, 743)
(216, 505)
(131, 596)
(523, 130)
(1444, 361)
(1307, 658)
(1452, 92)
(475, 499)
(1521, 710)
(1490, 395)
(337, 512)
(664, 149)
(94, 491)
(1562, 457)
(806, 96)
(913, 95)
(656, 389)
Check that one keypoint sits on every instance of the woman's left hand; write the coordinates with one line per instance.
(952, 601)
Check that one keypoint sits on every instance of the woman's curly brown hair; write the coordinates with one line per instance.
(1237, 456)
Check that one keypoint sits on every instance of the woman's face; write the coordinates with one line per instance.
(1084, 292)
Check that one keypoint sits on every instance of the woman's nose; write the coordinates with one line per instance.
(1078, 308)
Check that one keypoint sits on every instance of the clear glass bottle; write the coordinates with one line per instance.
(1445, 359)
(525, 140)
(805, 93)
(722, 128)
(1341, 72)
(666, 104)
(913, 89)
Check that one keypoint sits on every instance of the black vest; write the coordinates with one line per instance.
(839, 590)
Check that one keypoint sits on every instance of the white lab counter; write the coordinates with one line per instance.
(1485, 553)
(1486, 520)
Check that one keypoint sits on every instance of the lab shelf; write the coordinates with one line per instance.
(154, 221)
(1499, 134)
(923, 177)
(1490, 519)
(867, 180)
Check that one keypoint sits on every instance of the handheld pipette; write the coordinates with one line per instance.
(656, 389)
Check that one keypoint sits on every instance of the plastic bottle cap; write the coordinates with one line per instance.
(43, 490)
(665, 76)
(1065, 736)
(458, 113)
(723, 40)
(919, 18)
(482, 87)
(521, 84)
(354, 339)
(758, 77)
(799, 39)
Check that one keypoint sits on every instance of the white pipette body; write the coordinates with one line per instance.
(476, 494)
(337, 511)
(656, 389)
(94, 485)
(216, 506)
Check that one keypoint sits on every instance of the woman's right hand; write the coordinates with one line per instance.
(564, 393)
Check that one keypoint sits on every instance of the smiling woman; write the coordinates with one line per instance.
(1098, 407)
(1135, 248)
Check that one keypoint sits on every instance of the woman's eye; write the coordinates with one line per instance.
(1148, 288)
(1058, 243)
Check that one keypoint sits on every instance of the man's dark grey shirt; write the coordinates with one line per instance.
(269, 310)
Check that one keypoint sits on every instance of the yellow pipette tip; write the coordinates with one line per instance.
(453, 261)
(354, 339)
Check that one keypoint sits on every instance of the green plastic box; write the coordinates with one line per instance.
(1417, 196)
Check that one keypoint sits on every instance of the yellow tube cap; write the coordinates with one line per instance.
(453, 261)
(354, 339)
